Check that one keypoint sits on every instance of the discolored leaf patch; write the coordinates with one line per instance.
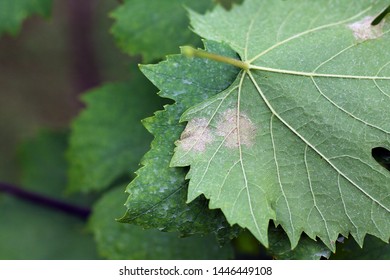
(196, 135)
(237, 130)
(363, 29)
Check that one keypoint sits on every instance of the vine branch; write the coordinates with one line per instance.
(38, 199)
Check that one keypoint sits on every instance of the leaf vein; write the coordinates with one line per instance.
(279, 179)
(373, 220)
(315, 74)
(313, 195)
(224, 180)
(345, 111)
(343, 202)
(209, 121)
(220, 145)
(241, 158)
(375, 82)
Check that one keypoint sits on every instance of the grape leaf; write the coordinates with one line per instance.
(14, 12)
(155, 29)
(108, 139)
(157, 196)
(307, 249)
(123, 241)
(31, 231)
(291, 139)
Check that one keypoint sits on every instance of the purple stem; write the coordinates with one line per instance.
(42, 200)
(85, 66)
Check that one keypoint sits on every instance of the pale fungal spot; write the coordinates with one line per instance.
(187, 82)
(363, 30)
(196, 135)
(229, 125)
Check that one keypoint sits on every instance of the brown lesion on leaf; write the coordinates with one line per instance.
(363, 29)
(237, 130)
(195, 136)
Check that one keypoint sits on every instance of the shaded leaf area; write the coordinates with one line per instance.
(32, 231)
(108, 139)
(14, 12)
(155, 29)
(157, 196)
(124, 241)
(291, 139)
(228, 4)
(373, 249)
(307, 248)
(246, 246)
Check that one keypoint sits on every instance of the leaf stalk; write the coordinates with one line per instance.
(191, 52)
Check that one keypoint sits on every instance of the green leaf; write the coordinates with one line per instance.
(157, 196)
(108, 139)
(307, 249)
(155, 29)
(123, 241)
(14, 12)
(291, 139)
(32, 231)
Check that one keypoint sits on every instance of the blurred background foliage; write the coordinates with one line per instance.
(39, 74)
(45, 64)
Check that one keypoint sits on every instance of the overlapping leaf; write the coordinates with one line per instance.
(13, 12)
(108, 139)
(156, 28)
(307, 249)
(123, 241)
(291, 139)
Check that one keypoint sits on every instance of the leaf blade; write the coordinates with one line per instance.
(300, 138)
(107, 138)
(124, 241)
(153, 26)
